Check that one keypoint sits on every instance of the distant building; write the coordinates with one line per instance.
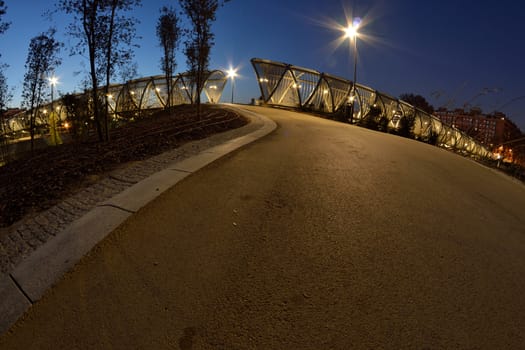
(489, 129)
(493, 130)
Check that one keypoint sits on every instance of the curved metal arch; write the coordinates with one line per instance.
(126, 97)
(314, 91)
(158, 89)
(268, 91)
(214, 85)
(118, 98)
(329, 92)
(135, 92)
(283, 90)
(306, 83)
(111, 98)
(391, 106)
(321, 97)
(147, 91)
(189, 86)
(378, 103)
(296, 87)
(366, 98)
(143, 92)
(339, 90)
(180, 90)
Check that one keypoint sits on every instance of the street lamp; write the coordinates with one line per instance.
(232, 73)
(351, 32)
(52, 82)
(53, 117)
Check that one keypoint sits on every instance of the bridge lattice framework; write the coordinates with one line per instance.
(134, 96)
(283, 84)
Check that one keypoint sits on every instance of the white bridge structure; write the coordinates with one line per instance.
(286, 85)
(281, 84)
(131, 99)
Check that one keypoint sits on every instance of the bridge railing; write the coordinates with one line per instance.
(287, 85)
(129, 99)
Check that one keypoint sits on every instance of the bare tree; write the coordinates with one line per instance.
(84, 27)
(417, 101)
(200, 39)
(105, 33)
(168, 33)
(119, 40)
(3, 25)
(77, 114)
(128, 72)
(4, 90)
(42, 58)
(5, 94)
(5, 97)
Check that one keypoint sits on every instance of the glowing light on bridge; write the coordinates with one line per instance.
(133, 97)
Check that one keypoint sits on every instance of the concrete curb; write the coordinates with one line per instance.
(45, 266)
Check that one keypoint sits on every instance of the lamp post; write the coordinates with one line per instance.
(52, 82)
(232, 73)
(352, 33)
(53, 118)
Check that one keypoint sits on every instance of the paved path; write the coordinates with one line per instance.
(319, 236)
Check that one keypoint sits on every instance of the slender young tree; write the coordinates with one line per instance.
(105, 33)
(118, 46)
(42, 59)
(417, 101)
(168, 33)
(3, 10)
(128, 72)
(199, 40)
(84, 28)
(5, 94)
(77, 114)
(5, 97)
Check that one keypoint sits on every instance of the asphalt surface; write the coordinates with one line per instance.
(318, 236)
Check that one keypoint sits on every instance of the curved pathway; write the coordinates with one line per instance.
(318, 236)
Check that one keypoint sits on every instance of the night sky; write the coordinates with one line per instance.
(453, 52)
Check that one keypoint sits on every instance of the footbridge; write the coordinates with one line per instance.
(286, 85)
(130, 99)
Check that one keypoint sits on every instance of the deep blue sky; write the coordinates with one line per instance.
(448, 50)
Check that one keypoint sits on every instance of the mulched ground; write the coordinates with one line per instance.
(33, 184)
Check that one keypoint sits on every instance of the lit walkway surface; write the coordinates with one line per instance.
(319, 236)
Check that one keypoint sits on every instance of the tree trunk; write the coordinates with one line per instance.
(32, 129)
(89, 24)
(108, 65)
